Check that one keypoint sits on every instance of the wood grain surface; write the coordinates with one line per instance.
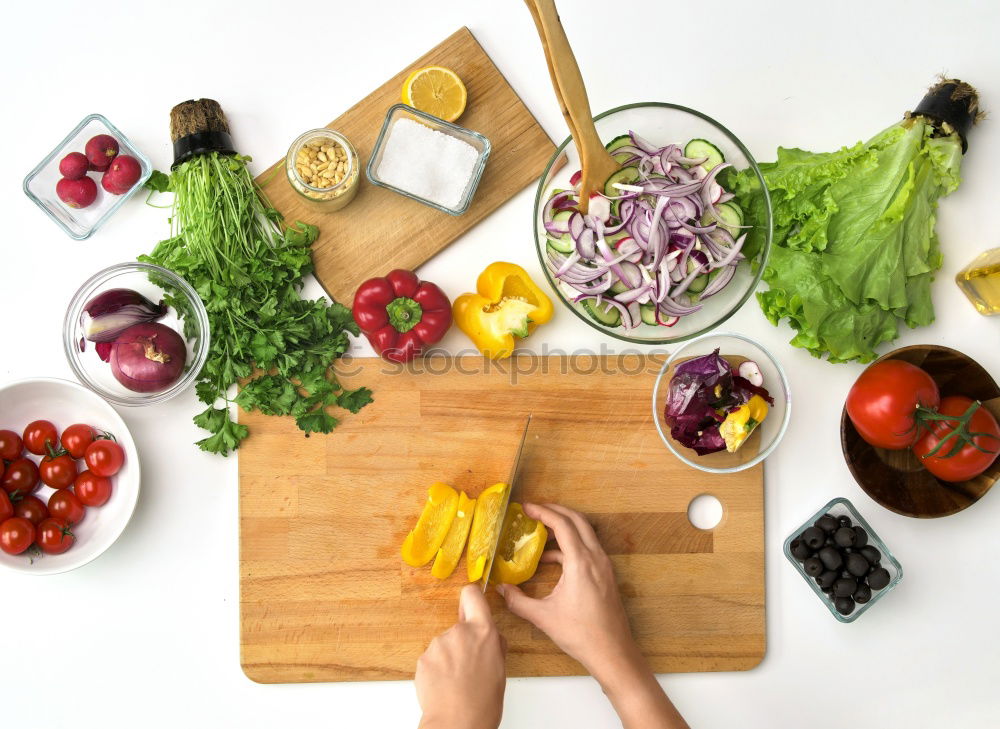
(381, 230)
(324, 595)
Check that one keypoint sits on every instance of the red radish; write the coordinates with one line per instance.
(101, 150)
(77, 193)
(122, 175)
(74, 166)
(95, 168)
(148, 357)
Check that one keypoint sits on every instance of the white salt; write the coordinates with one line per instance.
(427, 163)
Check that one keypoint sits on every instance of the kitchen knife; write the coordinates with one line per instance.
(512, 485)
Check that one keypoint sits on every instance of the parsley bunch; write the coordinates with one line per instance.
(247, 267)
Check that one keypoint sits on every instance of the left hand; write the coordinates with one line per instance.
(462, 675)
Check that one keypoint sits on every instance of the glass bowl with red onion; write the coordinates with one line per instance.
(662, 254)
(125, 339)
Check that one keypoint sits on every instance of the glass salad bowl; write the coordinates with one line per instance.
(660, 124)
(765, 438)
(156, 284)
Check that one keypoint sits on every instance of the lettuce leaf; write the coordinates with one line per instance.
(854, 248)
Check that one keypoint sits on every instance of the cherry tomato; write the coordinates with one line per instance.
(54, 536)
(38, 435)
(10, 445)
(16, 535)
(64, 504)
(884, 399)
(92, 490)
(31, 508)
(76, 438)
(969, 462)
(6, 508)
(104, 457)
(21, 476)
(58, 472)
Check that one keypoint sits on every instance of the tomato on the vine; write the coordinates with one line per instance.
(883, 401)
(38, 435)
(64, 504)
(16, 535)
(31, 508)
(11, 445)
(104, 457)
(59, 471)
(6, 508)
(20, 476)
(92, 490)
(76, 438)
(949, 464)
(54, 536)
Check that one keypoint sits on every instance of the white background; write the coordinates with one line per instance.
(148, 633)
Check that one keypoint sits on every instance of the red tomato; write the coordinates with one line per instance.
(76, 438)
(884, 399)
(31, 508)
(6, 508)
(38, 435)
(58, 472)
(969, 462)
(16, 535)
(104, 457)
(10, 445)
(21, 476)
(64, 504)
(54, 537)
(92, 490)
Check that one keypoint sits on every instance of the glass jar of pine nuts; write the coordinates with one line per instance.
(323, 167)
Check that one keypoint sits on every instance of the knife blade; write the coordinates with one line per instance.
(512, 485)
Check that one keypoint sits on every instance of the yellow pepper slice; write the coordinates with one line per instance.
(454, 544)
(740, 423)
(521, 546)
(483, 533)
(507, 306)
(432, 527)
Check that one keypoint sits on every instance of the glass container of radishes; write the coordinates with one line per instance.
(87, 177)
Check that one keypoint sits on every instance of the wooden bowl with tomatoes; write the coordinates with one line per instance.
(909, 477)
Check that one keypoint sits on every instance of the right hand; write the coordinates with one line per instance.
(584, 614)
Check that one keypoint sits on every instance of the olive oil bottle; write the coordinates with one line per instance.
(980, 281)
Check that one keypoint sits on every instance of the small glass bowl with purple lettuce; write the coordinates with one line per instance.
(721, 403)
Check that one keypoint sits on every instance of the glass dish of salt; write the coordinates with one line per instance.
(428, 159)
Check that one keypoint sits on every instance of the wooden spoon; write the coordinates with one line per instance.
(596, 163)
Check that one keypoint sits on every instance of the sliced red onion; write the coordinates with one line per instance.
(673, 308)
(111, 312)
(721, 280)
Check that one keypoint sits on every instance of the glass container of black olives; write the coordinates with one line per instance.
(844, 561)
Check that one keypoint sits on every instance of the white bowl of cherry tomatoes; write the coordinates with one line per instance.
(69, 476)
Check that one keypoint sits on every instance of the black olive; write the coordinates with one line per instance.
(878, 578)
(844, 605)
(827, 523)
(862, 537)
(845, 537)
(826, 579)
(856, 565)
(845, 587)
(871, 554)
(813, 537)
(844, 521)
(813, 567)
(845, 574)
(830, 558)
(828, 590)
(863, 594)
(829, 541)
(800, 551)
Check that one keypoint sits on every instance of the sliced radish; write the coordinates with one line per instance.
(750, 372)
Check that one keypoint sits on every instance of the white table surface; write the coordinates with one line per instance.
(148, 633)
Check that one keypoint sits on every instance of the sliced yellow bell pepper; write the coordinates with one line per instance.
(507, 306)
(432, 527)
(454, 544)
(483, 533)
(740, 423)
(521, 546)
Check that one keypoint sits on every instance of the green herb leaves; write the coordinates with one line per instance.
(248, 267)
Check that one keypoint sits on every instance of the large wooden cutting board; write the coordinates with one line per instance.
(381, 230)
(325, 596)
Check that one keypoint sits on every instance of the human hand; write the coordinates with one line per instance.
(584, 614)
(461, 676)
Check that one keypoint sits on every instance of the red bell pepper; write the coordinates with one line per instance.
(400, 314)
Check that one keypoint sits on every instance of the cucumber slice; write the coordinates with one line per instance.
(647, 312)
(625, 176)
(563, 243)
(732, 217)
(699, 284)
(618, 288)
(609, 318)
(704, 148)
(619, 141)
(612, 239)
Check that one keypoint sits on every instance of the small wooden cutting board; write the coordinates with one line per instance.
(381, 230)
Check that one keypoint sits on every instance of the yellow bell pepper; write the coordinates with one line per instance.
(432, 527)
(521, 546)
(507, 306)
(740, 423)
(454, 544)
(483, 533)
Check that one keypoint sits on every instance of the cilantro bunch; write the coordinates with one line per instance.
(247, 267)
